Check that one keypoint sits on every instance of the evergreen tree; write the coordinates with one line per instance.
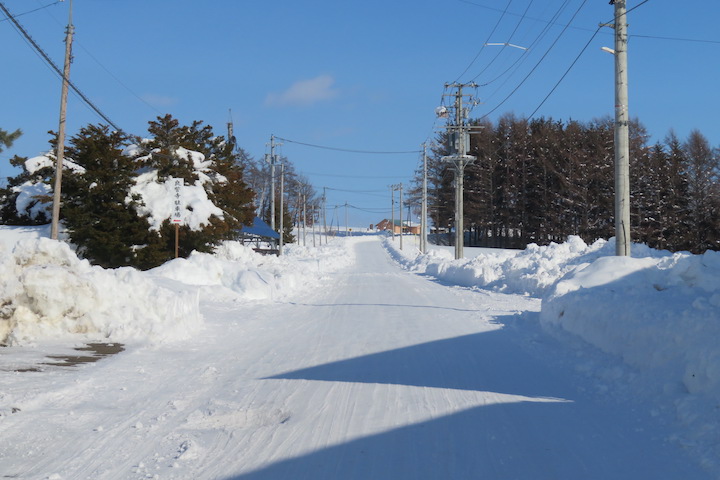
(99, 218)
(195, 155)
(7, 138)
(702, 175)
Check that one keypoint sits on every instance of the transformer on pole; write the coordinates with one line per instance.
(459, 145)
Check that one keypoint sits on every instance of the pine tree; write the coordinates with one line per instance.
(99, 218)
(195, 155)
(7, 138)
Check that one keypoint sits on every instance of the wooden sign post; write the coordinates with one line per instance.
(178, 207)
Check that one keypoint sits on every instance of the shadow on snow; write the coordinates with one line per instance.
(528, 439)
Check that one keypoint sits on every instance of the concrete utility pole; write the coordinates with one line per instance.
(423, 208)
(304, 220)
(392, 211)
(459, 133)
(622, 136)
(324, 199)
(401, 216)
(282, 213)
(272, 160)
(61, 129)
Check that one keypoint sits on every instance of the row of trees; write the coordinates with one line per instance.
(539, 181)
(111, 219)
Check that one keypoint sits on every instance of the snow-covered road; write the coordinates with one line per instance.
(380, 374)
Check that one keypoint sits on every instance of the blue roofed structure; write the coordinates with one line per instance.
(261, 229)
(260, 234)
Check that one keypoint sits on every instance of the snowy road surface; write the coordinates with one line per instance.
(380, 374)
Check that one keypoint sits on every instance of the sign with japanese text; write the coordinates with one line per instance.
(177, 200)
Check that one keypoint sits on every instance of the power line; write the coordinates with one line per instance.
(355, 176)
(676, 39)
(120, 82)
(538, 63)
(31, 11)
(497, 24)
(551, 22)
(524, 56)
(507, 43)
(575, 61)
(565, 74)
(350, 150)
(57, 70)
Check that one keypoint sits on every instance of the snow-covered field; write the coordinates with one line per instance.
(343, 361)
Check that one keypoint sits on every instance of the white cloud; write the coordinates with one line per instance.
(304, 92)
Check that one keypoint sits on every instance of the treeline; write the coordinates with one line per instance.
(112, 182)
(541, 180)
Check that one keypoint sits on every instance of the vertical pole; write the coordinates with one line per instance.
(423, 209)
(325, 214)
(272, 181)
(392, 211)
(459, 217)
(401, 218)
(622, 142)
(314, 219)
(177, 240)
(282, 212)
(304, 220)
(460, 146)
(347, 225)
(61, 129)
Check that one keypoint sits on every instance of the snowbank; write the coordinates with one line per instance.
(237, 272)
(530, 271)
(657, 312)
(47, 291)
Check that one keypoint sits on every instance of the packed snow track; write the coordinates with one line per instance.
(380, 374)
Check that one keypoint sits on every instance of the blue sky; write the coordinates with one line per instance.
(351, 75)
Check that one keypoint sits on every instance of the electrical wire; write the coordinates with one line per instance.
(521, 59)
(507, 43)
(677, 39)
(497, 24)
(565, 74)
(537, 64)
(529, 18)
(373, 152)
(31, 11)
(57, 70)
(100, 64)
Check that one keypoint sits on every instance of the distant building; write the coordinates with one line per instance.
(395, 228)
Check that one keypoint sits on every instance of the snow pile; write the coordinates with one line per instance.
(660, 315)
(656, 311)
(237, 272)
(158, 202)
(530, 271)
(47, 291)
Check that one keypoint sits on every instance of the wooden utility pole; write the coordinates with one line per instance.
(61, 129)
